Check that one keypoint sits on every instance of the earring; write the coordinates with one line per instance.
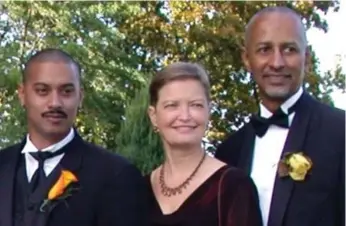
(156, 130)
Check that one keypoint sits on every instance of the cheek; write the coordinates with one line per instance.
(301, 66)
(257, 69)
(201, 117)
(165, 119)
(297, 68)
(258, 63)
(34, 102)
(34, 109)
(295, 62)
(71, 104)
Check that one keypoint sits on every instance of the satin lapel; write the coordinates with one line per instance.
(72, 161)
(295, 142)
(7, 180)
(73, 158)
(246, 154)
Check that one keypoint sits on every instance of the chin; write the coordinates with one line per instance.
(184, 143)
(279, 94)
(56, 131)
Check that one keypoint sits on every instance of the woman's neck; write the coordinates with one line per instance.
(179, 163)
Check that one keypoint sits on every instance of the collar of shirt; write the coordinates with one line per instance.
(30, 147)
(50, 164)
(265, 113)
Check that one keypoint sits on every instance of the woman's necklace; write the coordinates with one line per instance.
(167, 191)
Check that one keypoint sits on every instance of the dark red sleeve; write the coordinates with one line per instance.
(239, 200)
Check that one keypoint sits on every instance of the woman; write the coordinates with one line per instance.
(187, 189)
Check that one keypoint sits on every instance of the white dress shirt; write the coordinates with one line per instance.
(267, 152)
(31, 163)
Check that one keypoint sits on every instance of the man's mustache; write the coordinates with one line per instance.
(55, 113)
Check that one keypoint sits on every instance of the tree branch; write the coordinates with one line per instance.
(7, 27)
(5, 31)
(25, 34)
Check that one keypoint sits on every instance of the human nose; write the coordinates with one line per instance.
(277, 61)
(55, 100)
(184, 113)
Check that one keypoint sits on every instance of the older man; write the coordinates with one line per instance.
(306, 188)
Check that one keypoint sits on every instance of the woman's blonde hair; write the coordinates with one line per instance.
(178, 71)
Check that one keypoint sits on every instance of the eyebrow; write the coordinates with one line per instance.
(68, 85)
(199, 100)
(289, 43)
(170, 101)
(63, 85)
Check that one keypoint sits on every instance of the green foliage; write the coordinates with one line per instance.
(12, 129)
(119, 44)
(212, 33)
(136, 139)
(86, 30)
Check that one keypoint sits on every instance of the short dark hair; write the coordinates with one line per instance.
(50, 54)
(275, 9)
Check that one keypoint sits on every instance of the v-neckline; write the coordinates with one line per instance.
(187, 200)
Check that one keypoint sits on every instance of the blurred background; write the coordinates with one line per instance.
(121, 44)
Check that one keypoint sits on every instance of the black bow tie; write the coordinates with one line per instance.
(261, 124)
(279, 118)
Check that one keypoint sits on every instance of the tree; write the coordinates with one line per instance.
(88, 32)
(119, 44)
(136, 139)
(212, 33)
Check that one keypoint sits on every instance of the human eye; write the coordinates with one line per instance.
(41, 91)
(170, 105)
(263, 49)
(290, 49)
(198, 105)
(68, 91)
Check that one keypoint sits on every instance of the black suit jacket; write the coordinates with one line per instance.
(319, 131)
(111, 190)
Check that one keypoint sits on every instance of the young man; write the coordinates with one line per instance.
(87, 185)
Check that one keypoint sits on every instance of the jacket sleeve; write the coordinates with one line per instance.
(123, 201)
(240, 201)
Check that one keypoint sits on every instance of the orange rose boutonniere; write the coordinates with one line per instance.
(296, 165)
(60, 190)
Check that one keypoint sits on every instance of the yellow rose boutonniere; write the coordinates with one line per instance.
(295, 165)
(60, 190)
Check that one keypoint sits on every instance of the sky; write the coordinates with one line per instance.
(328, 45)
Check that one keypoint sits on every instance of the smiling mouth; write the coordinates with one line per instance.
(277, 79)
(184, 128)
(55, 118)
(277, 76)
